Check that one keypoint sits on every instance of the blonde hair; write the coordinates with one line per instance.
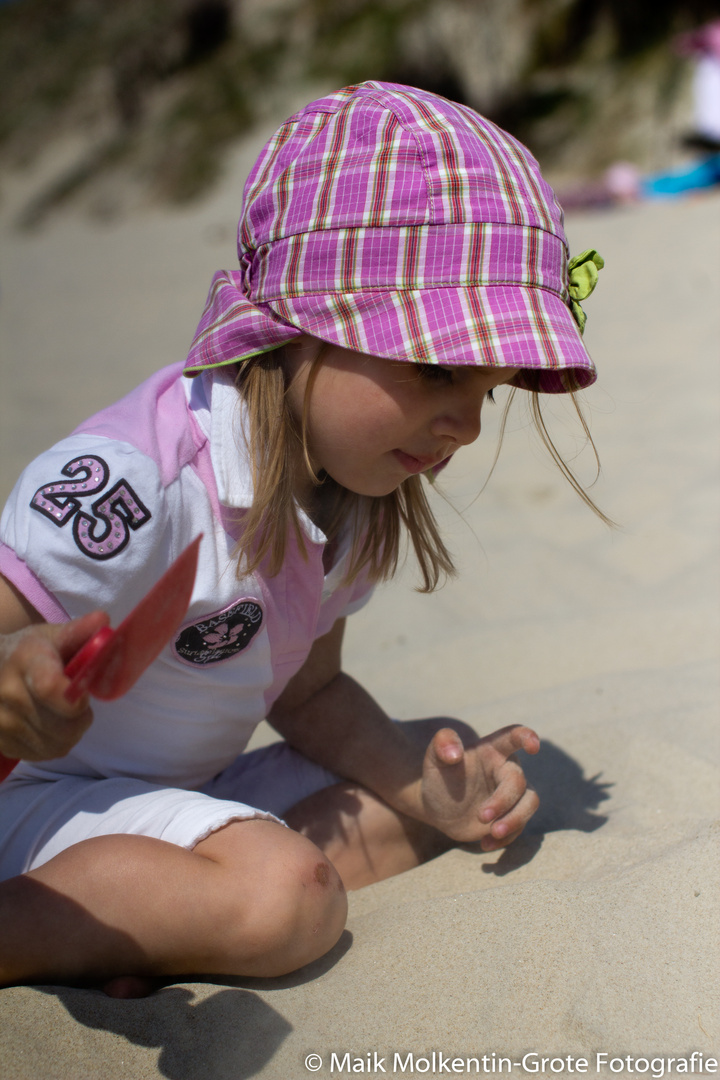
(571, 391)
(379, 526)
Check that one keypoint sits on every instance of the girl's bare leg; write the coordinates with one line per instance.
(367, 840)
(254, 898)
(364, 838)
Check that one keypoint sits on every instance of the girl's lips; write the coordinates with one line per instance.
(412, 464)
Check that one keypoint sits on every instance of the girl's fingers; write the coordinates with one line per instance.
(508, 827)
(36, 720)
(489, 843)
(70, 637)
(482, 785)
(33, 728)
(39, 671)
(509, 740)
(509, 791)
(40, 740)
(511, 782)
(43, 654)
(447, 747)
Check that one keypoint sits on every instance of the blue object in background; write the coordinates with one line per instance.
(704, 174)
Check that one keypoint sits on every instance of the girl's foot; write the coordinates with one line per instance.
(130, 986)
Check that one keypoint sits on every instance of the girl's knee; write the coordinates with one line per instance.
(254, 898)
(310, 914)
(287, 901)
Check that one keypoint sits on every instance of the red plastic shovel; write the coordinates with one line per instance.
(113, 660)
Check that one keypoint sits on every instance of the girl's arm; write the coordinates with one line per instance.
(36, 722)
(469, 787)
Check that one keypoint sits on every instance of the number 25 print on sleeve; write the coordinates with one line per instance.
(102, 530)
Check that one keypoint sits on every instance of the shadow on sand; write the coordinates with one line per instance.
(568, 800)
(228, 1034)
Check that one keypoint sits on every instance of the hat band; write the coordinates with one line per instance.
(402, 258)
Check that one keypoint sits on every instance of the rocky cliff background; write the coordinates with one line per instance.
(110, 105)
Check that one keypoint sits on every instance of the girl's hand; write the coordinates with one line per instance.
(36, 722)
(478, 793)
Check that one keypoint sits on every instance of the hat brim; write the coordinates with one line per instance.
(503, 325)
(494, 326)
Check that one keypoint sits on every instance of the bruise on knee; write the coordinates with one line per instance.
(324, 873)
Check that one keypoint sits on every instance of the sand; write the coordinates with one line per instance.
(596, 932)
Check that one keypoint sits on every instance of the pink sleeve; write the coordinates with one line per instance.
(17, 572)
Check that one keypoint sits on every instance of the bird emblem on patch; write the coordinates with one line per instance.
(221, 635)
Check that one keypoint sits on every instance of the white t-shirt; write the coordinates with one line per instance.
(96, 520)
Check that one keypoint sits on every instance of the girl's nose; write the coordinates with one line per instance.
(460, 423)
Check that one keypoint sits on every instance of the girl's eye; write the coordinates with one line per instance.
(434, 373)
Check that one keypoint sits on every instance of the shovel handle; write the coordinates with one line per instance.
(7, 764)
(81, 668)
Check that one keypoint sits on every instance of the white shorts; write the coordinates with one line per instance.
(42, 818)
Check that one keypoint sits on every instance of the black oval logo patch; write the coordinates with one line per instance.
(220, 636)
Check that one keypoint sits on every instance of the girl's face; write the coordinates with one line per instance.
(373, 422)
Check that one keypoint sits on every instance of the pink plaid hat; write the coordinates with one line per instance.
(390, 221)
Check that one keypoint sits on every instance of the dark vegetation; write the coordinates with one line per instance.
(157, 90)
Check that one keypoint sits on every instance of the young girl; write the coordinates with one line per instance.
(400, 258)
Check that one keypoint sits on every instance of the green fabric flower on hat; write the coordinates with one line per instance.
(582, 279)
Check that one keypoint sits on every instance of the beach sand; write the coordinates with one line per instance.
(597, 931)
